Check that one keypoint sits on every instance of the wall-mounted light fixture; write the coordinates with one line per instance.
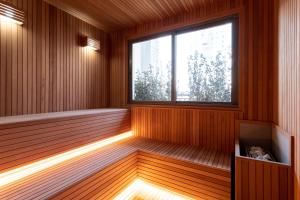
(9, 13)
(91, 43)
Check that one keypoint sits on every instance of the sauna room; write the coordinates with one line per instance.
(150, 99)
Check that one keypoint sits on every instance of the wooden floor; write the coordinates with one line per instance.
(103, 173)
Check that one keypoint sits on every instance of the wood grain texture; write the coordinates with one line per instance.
(156, 192)
(26, 141)
(195, 181)
(258, 179)
(202, 125)
(44, 69)
(255, 52)
(103, 173)
(110, 163)
(262, 180)
(288, 101)
(117, 14)
(197, 172)
(106, 183)
(204, 128)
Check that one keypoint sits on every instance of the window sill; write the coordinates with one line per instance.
(228, 107)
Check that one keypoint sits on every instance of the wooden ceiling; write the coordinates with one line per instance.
(110, 15)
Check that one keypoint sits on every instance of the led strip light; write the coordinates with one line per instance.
(142, 188)
(27, 170)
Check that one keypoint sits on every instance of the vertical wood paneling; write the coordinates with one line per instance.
(205, 128)
(288, 102)
(262, 180)
(256, 65)
(202, 126)
(43, 67)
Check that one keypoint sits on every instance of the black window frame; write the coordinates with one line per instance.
(234, 19)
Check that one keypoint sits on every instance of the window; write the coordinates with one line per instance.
(151, 67)
(191, 66)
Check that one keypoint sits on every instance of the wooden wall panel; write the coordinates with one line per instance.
(288, 102)
(23, 142)
(205, 128)
(259, 179)
(262, 180)
(256, 42)
(44, 69)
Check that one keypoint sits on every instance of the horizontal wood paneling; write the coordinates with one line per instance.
(103, 173)
(168, 123)
(196, 176)
(288, 102)
(184, 178)
(25, 142)
(198, 172)
(204, 128)
(106, 183)
(44, 69)
(110, 163)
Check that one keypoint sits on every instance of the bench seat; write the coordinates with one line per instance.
(101, 174)
(30, 138)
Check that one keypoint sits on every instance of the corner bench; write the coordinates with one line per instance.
(103, 173)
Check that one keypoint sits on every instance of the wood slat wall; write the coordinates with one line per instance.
(256, 40)
(44, 69)
(205, 128)
(189, 179)
(109, 163)
(115, 15)
(102, 173)
(288, 101)
(106, 183)
(262, 180)
(25, 142)
(259, 179)
(154, 162)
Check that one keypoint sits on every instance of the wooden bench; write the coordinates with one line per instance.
(105, 172)
(29, 138)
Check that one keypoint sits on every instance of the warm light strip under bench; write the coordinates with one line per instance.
(142, 189)
(22, 172)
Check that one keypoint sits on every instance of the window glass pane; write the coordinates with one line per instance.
(204, 64)
(151, 70)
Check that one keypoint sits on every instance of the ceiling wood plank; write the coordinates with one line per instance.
(111, 15)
